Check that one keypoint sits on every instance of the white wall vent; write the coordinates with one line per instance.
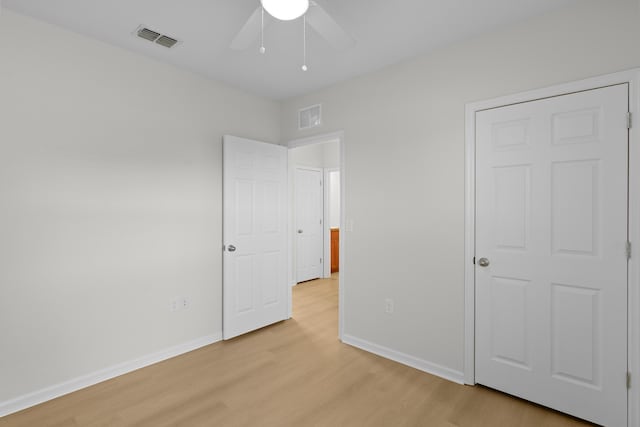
(310, 117)
(155, 37)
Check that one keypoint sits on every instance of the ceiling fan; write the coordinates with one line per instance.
(313, 13)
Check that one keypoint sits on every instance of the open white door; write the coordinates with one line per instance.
(309, 228)
(551, 232)
(255, 235)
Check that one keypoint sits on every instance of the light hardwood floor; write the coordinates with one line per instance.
(295, 373)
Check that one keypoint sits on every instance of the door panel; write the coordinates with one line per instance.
(309, 231)
(509, 321)
(574, 207)
(551, 218)
(513, 194)
(254, 222)
(575, 330)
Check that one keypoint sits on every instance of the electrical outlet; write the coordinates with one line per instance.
(388, 306)
(180, 303)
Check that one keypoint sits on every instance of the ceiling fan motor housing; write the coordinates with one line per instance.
(285, 10)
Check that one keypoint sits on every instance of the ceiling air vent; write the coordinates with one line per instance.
(166, 41)
(147, 34)
(155, 37)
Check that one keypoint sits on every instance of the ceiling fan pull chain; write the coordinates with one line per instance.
(262, 49)
(304, 42)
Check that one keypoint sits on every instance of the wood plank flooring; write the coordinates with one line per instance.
(295, 373)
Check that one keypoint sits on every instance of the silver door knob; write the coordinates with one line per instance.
(231, 248)
(483, 262)
(299, 231)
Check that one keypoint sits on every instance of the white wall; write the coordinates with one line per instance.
(332, 154)
(323, 155)
(110, 184)
(404, 142)
(334, 199)
(309, 155)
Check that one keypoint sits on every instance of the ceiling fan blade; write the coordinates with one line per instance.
(250, 32)
(327, 27)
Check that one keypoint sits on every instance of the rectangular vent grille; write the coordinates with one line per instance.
(310, 117)
(156, 37)
(166, 41)
(147, 34)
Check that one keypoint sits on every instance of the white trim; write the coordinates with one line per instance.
(326, 227)
(317, 139)
(327, 221)
(469, 247)
(324, 138)
(634, 262)
(343, 235)
(291, 276)
(556, 90)
(31, 399)
(632, 77)
(405, 359)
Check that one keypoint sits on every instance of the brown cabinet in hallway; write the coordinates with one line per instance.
(335, 249)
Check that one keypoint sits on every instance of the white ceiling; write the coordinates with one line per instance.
(386, 31)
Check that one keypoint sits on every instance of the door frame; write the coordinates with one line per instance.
(294, 218)
(631, 77)
(318, 139)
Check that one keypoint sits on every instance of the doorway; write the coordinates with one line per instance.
(315, 166)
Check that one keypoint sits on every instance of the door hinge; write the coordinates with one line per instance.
(629, 120)
(320, 260)
(628, 250)
(629, 380)
(474, 260)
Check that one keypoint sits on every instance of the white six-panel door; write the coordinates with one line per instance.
(309, 202)
(551, 222)
(255, 235)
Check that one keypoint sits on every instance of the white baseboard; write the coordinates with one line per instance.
(405, 359)
(57, 390)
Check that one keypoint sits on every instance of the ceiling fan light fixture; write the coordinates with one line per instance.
(285, 10)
